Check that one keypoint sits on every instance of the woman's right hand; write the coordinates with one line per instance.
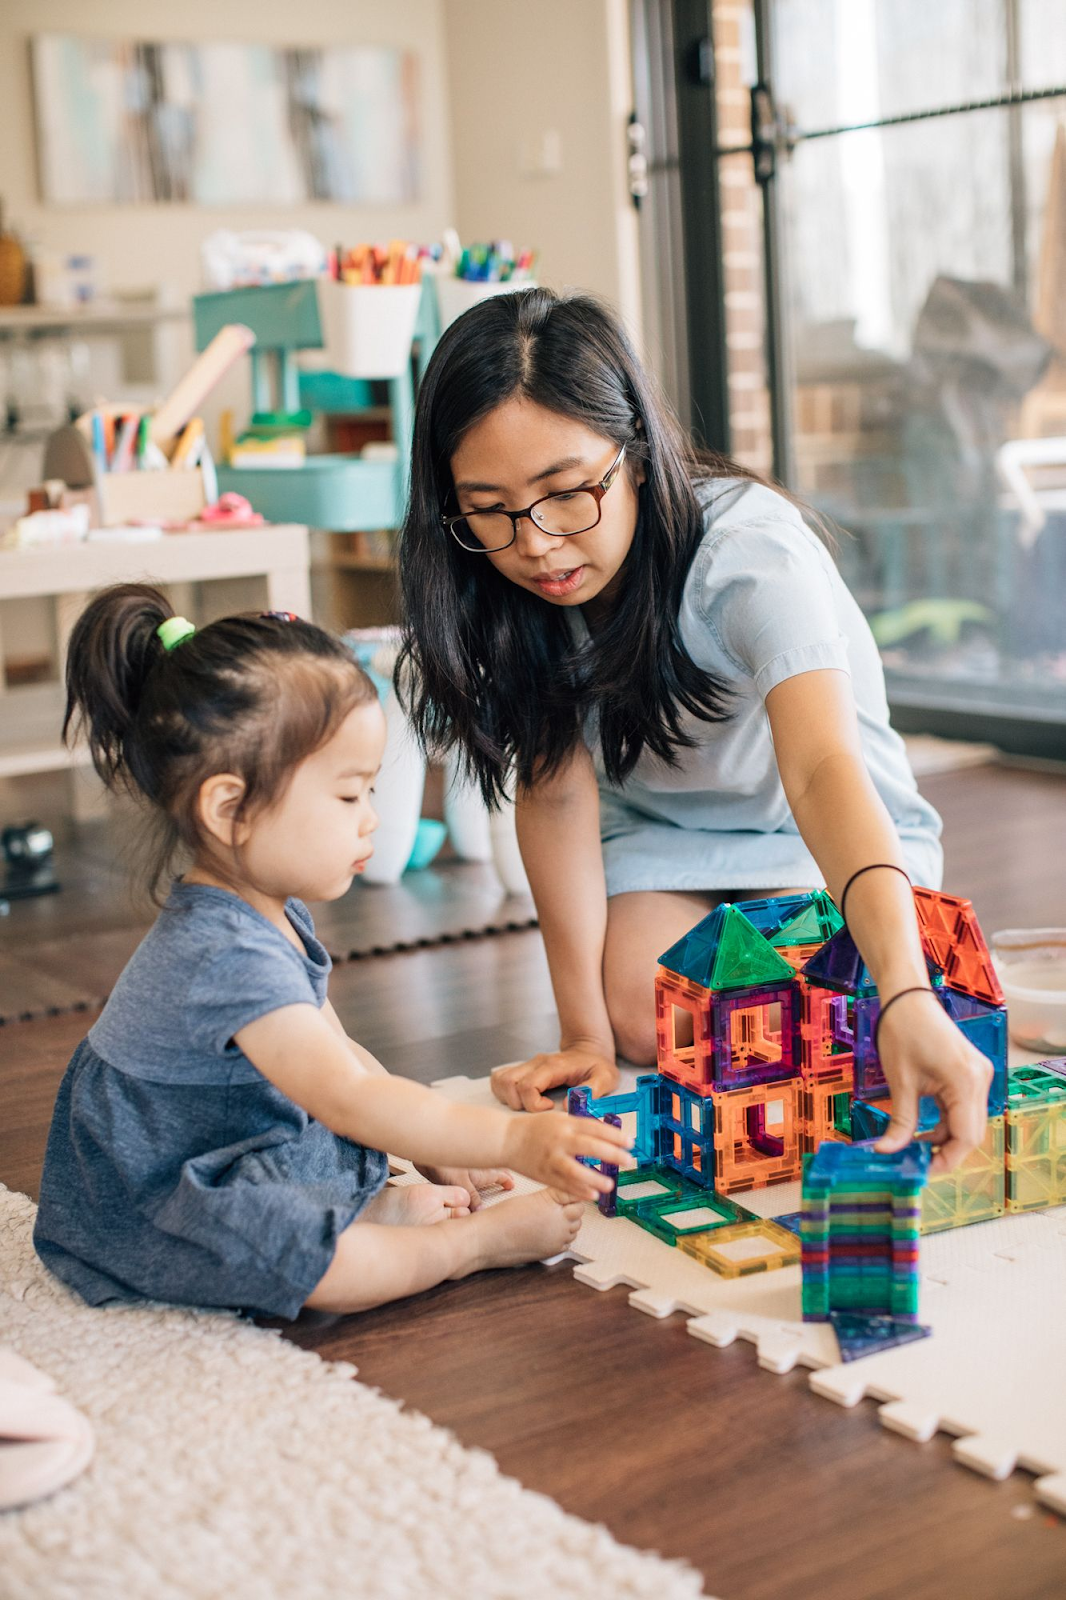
(522, 1085)
(546, 1149)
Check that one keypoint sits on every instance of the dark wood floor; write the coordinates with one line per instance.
(772, 1492)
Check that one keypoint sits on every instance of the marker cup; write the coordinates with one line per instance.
(456, 295)
(367, 328)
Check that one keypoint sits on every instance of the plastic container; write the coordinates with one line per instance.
(342, 493)
(367, 328)
(456, 295)
(1031, 964)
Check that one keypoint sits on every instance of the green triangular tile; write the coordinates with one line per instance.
(744, 958)
(816, 923)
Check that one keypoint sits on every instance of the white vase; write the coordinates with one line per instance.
(465, 814)
(397, 797)
(506, 856)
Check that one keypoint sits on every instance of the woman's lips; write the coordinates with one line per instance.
(560, 583)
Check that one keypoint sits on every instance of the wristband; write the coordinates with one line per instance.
(889, 866)
(917, 988)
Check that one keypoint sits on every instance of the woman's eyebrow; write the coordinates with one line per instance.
(468, 486)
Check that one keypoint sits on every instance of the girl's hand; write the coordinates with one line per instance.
(923, 1052)
(546, 1149)
(472, 1179)
(585, 1062)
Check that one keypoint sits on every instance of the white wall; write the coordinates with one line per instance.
(525, 73)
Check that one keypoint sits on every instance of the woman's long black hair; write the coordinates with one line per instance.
(488, 667)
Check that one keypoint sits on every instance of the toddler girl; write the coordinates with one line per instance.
(217, 1140)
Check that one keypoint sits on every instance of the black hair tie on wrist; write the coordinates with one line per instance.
(874, 866)
(917, 988)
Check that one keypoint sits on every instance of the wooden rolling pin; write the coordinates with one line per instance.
(209, 368)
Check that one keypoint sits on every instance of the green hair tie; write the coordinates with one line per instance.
(174, 630)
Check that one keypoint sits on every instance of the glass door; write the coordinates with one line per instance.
(899, 353)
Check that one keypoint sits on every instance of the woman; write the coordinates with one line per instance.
(657, 652)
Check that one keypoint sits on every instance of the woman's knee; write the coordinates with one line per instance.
(633, 1027)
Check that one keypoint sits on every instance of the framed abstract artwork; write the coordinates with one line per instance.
(217, 124)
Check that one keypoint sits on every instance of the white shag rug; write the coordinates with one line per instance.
(231, 1465)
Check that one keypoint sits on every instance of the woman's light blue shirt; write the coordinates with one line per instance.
(763, 602)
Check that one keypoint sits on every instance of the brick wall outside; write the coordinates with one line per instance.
(749, 399)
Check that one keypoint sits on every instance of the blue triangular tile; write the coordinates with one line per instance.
(859, 1334)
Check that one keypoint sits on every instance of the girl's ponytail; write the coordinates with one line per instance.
(113, 648)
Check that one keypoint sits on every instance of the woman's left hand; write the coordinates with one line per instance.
(923, 1052)
(472, 1179)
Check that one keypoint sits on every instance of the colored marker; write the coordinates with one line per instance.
(99, 442)
(192, 432)
(124, 443)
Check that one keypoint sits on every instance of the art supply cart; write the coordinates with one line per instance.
(333, 492)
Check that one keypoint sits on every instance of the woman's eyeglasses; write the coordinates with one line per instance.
(567, 512)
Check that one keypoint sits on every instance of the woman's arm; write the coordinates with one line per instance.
(298, 1049)
(558, 826)
(845, 826)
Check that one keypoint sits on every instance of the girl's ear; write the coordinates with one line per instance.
(216, 806)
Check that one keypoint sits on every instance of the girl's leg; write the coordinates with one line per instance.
(640, 926)
(375, 1263)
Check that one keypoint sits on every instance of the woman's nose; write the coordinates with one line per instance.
(531, 540)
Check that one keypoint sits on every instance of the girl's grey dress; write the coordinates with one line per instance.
(763, 602)
(176, 1171)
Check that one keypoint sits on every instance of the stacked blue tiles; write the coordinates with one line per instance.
(859, 1231)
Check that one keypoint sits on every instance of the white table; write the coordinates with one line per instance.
(31, 717)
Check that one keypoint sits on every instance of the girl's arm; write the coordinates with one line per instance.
(298, 1049)
(368, 1062)
(845, 826)
(472, 1179)
(558, 826)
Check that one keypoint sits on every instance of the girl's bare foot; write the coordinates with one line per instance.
(529, 1228)
(411, 1204)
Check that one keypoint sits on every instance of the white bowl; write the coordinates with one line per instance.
(1031, 964)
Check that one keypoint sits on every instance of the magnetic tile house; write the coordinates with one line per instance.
(765, 1020)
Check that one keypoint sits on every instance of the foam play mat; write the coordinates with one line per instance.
(994, 1295)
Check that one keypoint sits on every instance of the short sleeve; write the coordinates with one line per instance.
(251, 977)
(765, 591)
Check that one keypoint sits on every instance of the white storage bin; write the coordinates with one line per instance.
(367, 328)
(456, 295)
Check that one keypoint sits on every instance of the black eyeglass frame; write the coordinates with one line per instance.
(597, 490)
